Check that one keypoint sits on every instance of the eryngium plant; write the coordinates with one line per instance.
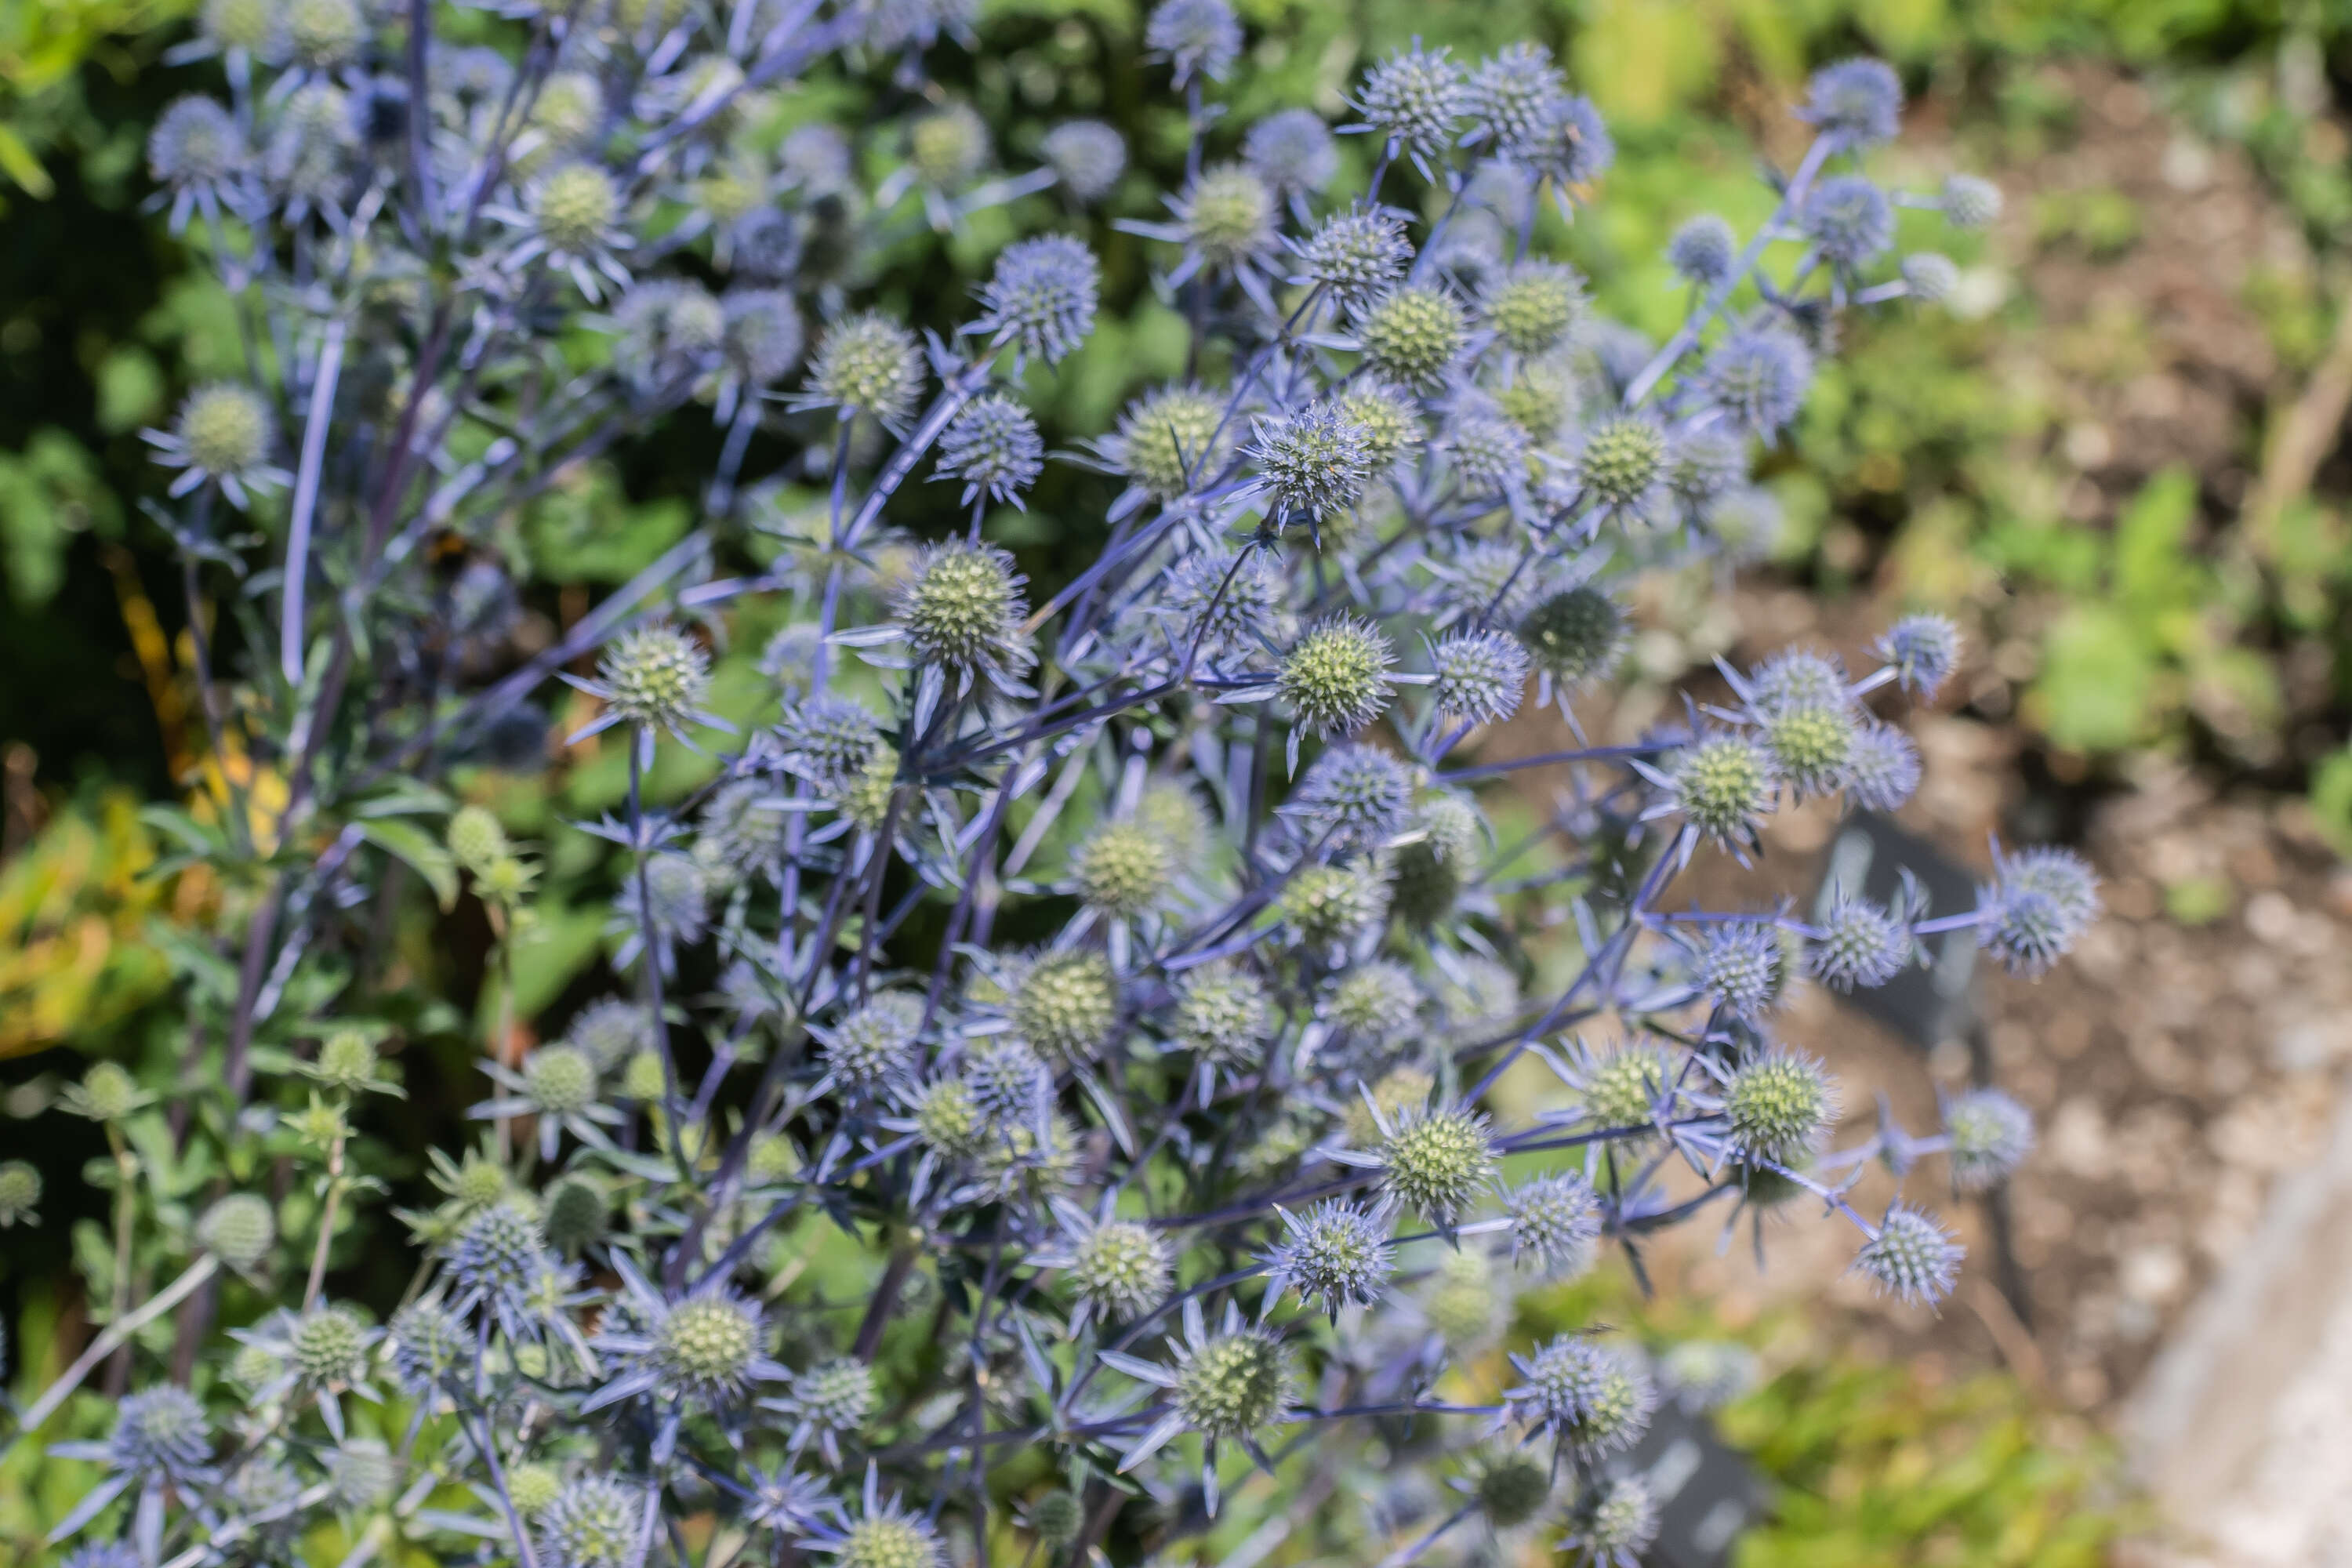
(1203, 1172)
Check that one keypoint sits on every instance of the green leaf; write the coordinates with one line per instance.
(2153, 569)
(2097, 679)
(420, 851)
(213, 977)
(2331, 799)
(16, 161)
(200, 838)
(406, 798)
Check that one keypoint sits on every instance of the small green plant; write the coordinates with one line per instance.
(1874, 1464)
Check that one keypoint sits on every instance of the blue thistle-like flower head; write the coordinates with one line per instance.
(1173, 441)
(866, 363)
(1358, 795)
(239, 1228)
(1759, 376)
(707, 1350)
(1224, 1014)
(1388, 417)
(1574, 146)
(1042, 295)
(1314, 463)
(1777, 1106)
(993, 446)
(1922, 651)
(1794, 678)
(20, 1195)
(873, 1045)
(1991, 1134)
(592, 1523)
(1231, 1385)
(2038, 902)
(1969, 202)
(1008, 1079)
(223, 435)
(494, 1260)
(1355, 255)
(1197, 37)
(828, 739)
(948, 146)
(1336, 677)
(1118, 1269)
(1227, 604)
(1742, 967)
(1706, 462)
(607, 1033)
(1621, 464)
(1413, 98)
(574, 208)
(654, 677)
(1335, 1255)
(1533, 307)
(1575, 634)
(1412, 335)
(1882, 771)
(1375, 1001)
(1510, 1487)
(1555, 1223)
(161, 1432)
(962, 609)
(1721, 783)
(1930, 278)
(1812, 744)
(667, 328)
(196, 144)
(1487, 453)
(1857, 103)
(1702, 250)
(1436, 1161)
(1849, 219)
(1292, 150)
(885, 1535)
(429, 1347)
(1125, 868)
(1585, 1396)
(1913, 1258)
(743, 827)
(759, 335)
(1087, 155)
(1515, 96)
(1618, 1526)
(829, 1401)
(1481, 675)
(1066, 1002)
(1227, 218)
(1861, 944)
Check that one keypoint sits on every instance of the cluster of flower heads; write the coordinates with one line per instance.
(1207, 1163)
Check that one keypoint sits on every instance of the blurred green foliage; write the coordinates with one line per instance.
(1878, 1464)
(44, 49)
